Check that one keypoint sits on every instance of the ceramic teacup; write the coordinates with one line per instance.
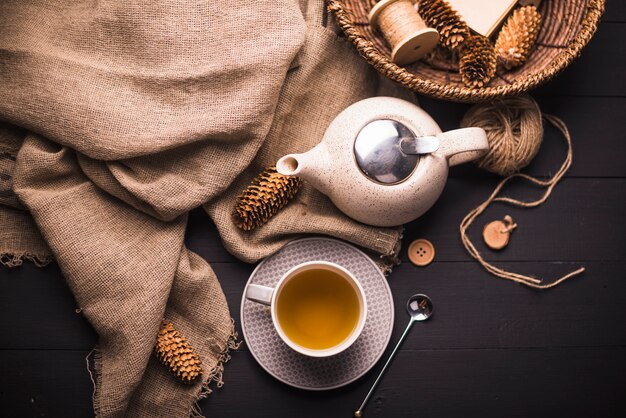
(318, 308)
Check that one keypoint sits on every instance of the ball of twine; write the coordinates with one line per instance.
(514, 131)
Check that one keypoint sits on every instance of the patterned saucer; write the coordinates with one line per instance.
(300, 371)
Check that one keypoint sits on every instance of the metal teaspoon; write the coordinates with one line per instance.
(420, 308)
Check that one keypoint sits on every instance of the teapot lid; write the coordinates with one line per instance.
(387, 151)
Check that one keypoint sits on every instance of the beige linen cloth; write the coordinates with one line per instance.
(120, 116)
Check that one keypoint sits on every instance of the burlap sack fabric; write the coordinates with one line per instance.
(121, 116)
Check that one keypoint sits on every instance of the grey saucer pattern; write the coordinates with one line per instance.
(310, 373)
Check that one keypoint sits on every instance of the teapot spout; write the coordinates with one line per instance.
(312, 166)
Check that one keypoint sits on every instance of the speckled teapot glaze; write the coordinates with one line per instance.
(384, 161)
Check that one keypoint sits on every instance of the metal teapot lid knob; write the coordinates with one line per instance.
(387, 151)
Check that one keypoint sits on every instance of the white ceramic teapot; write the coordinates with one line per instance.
(384, 161)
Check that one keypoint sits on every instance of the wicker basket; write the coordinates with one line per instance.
(567, 26)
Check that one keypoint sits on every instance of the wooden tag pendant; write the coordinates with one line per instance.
(497, 233)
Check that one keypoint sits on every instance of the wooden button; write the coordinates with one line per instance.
(421, 252)
(496, 235)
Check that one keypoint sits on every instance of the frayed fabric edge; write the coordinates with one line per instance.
(93, 362)
(11, 260)
(94, 367)
(216, 374)
(387, 261)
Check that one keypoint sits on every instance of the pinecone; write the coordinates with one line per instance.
(440, 15)
(268, 193)
(175, 352)
(478, 61)
(518, 36)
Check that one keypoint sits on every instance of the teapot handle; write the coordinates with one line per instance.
(463, 145)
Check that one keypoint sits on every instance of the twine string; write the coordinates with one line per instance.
(510, 225)
(495, 197)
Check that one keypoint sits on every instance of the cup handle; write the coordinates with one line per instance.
(463, 145)
(260, 294)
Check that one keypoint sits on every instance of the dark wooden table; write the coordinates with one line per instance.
(492, 349)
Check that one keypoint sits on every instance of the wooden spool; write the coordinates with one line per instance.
(404, 29)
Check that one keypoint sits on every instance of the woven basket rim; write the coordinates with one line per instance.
(386, 67)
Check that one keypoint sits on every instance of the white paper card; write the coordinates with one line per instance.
(483, 16)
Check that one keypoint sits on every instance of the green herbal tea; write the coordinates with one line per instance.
(318, 309)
